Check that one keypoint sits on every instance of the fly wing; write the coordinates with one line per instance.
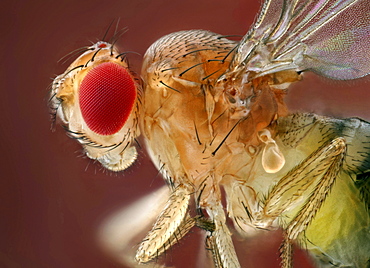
(329, 37)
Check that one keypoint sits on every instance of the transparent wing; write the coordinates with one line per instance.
(329, 37)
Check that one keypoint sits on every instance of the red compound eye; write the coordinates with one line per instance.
(107, 96)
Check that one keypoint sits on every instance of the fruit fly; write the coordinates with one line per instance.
(213, 117)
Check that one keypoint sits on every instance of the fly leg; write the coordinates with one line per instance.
(119, 232)
(219, 240)
(171, 225)
(304, 189)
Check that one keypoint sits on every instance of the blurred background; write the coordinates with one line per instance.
(53, 199)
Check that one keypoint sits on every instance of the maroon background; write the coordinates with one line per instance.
(52, 199)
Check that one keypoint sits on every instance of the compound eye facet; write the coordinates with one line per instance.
(106, 97)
